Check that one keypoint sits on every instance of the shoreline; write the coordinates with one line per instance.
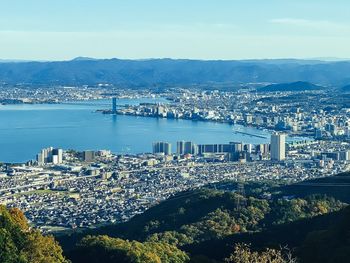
(301, 136)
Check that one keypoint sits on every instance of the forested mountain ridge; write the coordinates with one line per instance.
(173, 72)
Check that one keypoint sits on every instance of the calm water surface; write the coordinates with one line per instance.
(25, 129)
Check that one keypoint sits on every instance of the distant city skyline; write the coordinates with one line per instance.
(135, 29)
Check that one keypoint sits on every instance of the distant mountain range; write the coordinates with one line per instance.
(171, 72)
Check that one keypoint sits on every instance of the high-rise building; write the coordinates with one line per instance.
(162, 147)
(60, 156)
(238, 146)
(186, 148)
(50, 155)
(47, 153)
(248, 118)
(248, 148)
(40, 158)
(55, 159)
(57, 156)
(344, 155)
(161, 110)
(318, 134)
(232, 147)
(278, 147)
(333, 129)
(266, 147)
(114, 105)
(191, 148)
(347, 132)
(263, 148)
(180, 147)
(89, 156)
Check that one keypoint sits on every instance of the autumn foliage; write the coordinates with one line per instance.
(21, 244)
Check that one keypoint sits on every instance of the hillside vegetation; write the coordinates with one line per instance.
(210, 222)
(21, 244)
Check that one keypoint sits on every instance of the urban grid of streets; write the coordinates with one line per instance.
(113, 188)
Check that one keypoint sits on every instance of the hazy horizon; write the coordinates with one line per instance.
(230, 30)
(323, 59)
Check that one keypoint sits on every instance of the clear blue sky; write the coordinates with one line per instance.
(204, 29)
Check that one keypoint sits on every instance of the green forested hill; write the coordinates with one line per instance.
(21, 244)
(208, 223)
(336, 186)
(295, 235)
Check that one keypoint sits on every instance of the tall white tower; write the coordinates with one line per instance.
(278, 147)
(114, 105)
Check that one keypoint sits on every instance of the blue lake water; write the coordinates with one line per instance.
(25, 129)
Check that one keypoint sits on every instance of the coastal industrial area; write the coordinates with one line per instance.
(66, 189)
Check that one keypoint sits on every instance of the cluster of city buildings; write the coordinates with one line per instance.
(92, 188)
(308, 113)
(50, 155)
(27, 94)
(70, 189)
(233, 151)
